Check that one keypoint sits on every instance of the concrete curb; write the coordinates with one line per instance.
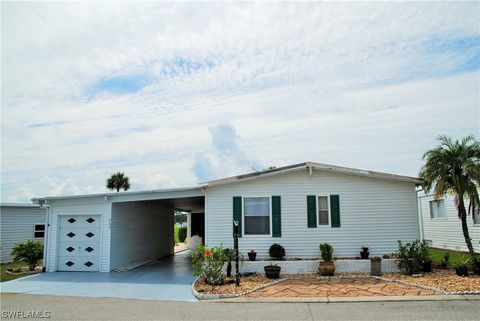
(350, 299)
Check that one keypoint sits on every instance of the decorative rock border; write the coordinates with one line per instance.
(202, 296)
(211, 296)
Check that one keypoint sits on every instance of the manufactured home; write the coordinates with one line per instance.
(440, 225)
(298, 206)
(18, 224)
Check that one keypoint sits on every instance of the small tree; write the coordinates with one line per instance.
(30, 252)
(118, 181)
(454, 166)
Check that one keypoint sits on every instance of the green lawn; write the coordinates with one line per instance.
(7, 277)
(436, 255)
(176, 234)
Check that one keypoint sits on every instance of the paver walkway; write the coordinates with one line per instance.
(339, 287)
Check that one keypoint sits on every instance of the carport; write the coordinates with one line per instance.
(114, 231)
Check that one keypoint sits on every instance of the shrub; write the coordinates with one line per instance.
(461, 262)
(445, 260)
(30, 252)
(326, 252)
(182, 234)
(208, 263)
(386, 256)
(411, 255)
(276, 252)
(376, 259)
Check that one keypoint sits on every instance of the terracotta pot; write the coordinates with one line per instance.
(326, 268)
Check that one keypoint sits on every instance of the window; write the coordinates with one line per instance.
(323, 210)
(39, 231)
(437, 209)
(256, 215)
(476, 215)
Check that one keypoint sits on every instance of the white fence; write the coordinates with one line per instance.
(311, 266)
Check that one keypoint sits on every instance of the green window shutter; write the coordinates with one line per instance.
(237, 214)
(311, 211)
(335, 210)
(276, 217)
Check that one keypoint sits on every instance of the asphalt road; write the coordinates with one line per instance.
(92, 309)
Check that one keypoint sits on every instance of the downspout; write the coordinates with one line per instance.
(419, 206)
(43, 204)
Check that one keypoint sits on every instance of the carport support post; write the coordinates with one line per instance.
(235, 248)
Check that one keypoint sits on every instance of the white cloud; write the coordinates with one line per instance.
(359, 84)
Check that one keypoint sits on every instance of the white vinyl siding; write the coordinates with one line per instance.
(446, 232)
(17, 224)
(374, 213)
(256, 215)
(141, 232)
(437, 209)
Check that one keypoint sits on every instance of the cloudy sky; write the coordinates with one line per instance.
(174, 94)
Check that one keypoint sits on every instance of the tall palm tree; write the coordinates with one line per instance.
(118, 181)
(454, 166)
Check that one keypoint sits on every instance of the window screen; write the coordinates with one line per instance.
(256, 215)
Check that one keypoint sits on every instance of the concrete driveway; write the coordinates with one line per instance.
(168, 279)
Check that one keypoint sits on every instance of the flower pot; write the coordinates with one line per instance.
(376, 267)
(252, 255)
(364, 253)
(461, 270)
(272, 271)
(427, 266)
(326, 268)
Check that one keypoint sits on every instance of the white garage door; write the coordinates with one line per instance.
(79, 243)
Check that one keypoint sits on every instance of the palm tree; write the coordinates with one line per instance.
(118, 181)
(454, 166)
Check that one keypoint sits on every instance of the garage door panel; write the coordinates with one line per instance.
(79, 263)
(79, 240)
(78, 221)
(80, 235)
(83, 249)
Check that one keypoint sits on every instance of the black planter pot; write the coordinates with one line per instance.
(427, 266)
(272, 272)
(476, 266)
(364, 253)
(461, 270)
(252, 255)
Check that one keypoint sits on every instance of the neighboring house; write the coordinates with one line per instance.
(440, 225)
(297, 206)
(18, 224)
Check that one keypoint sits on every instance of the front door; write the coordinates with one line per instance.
(79, 243)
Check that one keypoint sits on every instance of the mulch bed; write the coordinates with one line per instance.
(247, 283)
(445, 280)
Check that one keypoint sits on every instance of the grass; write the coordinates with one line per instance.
(436, 255)
(176, 234)
(13, 265)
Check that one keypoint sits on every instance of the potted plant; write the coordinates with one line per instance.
(376, 266)
(276, 252)
(476, 265)
(272, 271)
(427, 265)
(326, 267)
(364, 253)
(461, 266)
(252, 255)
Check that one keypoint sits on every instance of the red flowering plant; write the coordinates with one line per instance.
(208, 263)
